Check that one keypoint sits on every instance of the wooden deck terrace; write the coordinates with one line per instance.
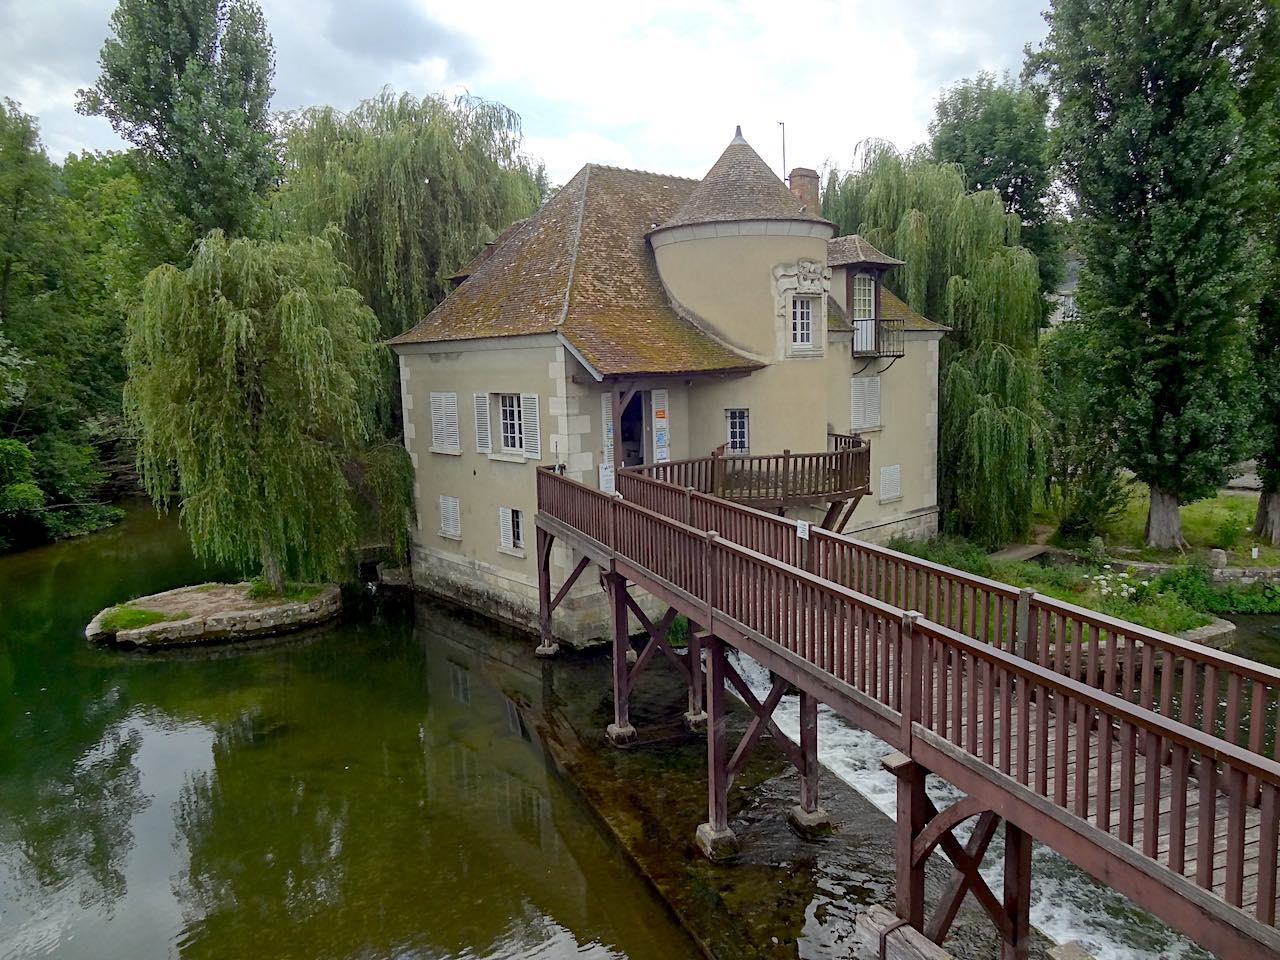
(770, 481)
(1148, 761)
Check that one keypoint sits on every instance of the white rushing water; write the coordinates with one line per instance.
(1066, 903)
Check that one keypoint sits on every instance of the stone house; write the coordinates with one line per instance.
(727, 310)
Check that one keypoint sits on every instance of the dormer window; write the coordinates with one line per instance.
(802, 310)
(864, 297)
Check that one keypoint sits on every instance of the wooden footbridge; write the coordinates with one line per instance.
(1148, 761)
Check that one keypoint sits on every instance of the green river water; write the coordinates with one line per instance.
(374, 791)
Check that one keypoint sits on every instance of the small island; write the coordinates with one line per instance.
(214, 612)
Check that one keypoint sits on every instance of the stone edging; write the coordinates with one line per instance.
(230, 625)
(1219, 634)
(1241, 575)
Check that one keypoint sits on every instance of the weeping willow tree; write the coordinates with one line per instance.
(253, 386)
(965, 268)
(416, 187)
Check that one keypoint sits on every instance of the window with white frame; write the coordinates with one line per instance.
(739, 432)
(450, 518)
(519, 424)
(509, 417)
(802, 311)
(510, 528)
(864, 297)
(444, 423)
(864, 404)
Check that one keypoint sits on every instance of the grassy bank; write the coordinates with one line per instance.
(1182, 599)
(1223, 522)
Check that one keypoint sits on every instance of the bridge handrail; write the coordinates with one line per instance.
(1218, 691)
(949, 683)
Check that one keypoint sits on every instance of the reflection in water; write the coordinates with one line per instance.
(379, 791)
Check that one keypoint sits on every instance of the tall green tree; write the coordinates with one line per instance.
(1261, 85)
(965, 268)
(416, 187)
(253, 382)
(995, 129)
(60, 370)
(1153, 146)
(188, 82)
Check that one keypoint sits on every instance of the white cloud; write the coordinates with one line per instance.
(657, 86)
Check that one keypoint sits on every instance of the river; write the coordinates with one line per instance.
(368, 792)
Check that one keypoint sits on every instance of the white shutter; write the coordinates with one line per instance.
(891, 483)
(606, 434)
(661, 426)
(437, 420)
(452, 435)
(484, 440)
(450, 516)
(505, 536)
(444, 423)
(531, 426)
(864, 403)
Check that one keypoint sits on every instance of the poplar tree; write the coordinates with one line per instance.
(965, 268)
(253, 382)
(188, 82)
(996, 130)
(1153, 145)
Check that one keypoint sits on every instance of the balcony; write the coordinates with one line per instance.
(773, 481)
(878, 338)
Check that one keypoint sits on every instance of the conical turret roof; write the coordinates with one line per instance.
(740, 186)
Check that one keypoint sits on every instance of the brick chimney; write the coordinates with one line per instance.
(804, 184)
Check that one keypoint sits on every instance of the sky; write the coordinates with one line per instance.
(657, 85)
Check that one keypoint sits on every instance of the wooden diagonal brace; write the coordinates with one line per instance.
(568, 584)
(756, 727)
(966, 878)
(789, 747)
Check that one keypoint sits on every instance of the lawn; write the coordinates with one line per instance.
(1107, 589)
(1223, 521)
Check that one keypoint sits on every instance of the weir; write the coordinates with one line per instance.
(1146, 760)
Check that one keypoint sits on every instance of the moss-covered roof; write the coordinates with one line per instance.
(740, 186)
(854, 249)
(892, 307)
(487, 251)
(582, 267)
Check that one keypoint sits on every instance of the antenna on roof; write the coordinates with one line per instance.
(783, 125)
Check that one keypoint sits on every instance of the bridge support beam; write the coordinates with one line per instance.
(922, 828)
(714, 837)
(621, 733)
(695, 718)
(807, 818)
(547, 646)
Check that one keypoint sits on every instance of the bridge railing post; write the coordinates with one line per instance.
(912, 680)
(1022, 625)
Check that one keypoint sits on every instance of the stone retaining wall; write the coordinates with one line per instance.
(235, 621)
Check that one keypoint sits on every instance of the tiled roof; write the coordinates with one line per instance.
(581, 267)
(740, 187)
(892, 307)
(487, 251)
(853, 249)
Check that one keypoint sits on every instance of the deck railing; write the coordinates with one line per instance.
(1214, 691)
(975, 693)
(772, 479)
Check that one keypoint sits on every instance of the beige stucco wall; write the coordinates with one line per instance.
(727, 283)
(908, 434)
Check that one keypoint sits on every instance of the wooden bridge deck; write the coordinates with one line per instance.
(1146, 760)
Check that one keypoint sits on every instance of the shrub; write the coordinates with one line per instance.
(259, 589)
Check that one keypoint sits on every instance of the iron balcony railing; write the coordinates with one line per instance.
(878, 338)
